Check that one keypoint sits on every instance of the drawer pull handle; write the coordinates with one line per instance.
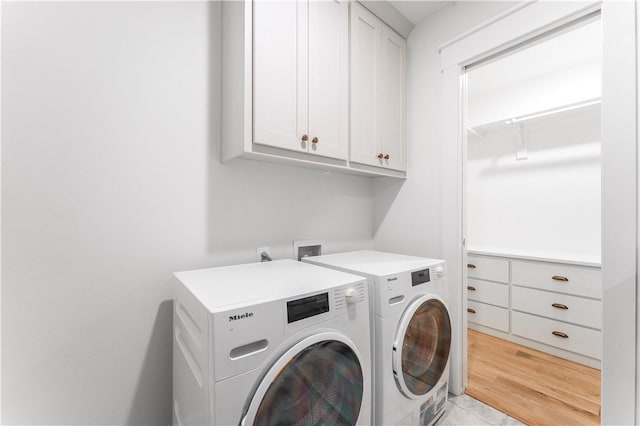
(471, 266)
(560, 334)
(471, 311)
(559, 278)
(560, 306)
(471, 288)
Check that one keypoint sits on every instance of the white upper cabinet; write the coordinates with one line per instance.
(378, 66)
(329, 78)
(287, 86)
(300, 76)
(279, 96)
(365, 64)
(392, 104)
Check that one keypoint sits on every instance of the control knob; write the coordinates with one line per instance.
(351, 295)
(439, 271)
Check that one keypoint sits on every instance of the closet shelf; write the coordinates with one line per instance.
(481, 129)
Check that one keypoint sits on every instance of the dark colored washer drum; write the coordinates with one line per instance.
(426, 343)
(321, 385)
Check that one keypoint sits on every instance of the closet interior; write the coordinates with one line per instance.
(533, 226)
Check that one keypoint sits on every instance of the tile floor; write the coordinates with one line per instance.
(464, 410)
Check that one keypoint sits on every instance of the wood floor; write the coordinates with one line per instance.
(531, 386)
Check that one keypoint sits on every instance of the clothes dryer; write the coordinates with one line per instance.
(411, 333)
(280, 342)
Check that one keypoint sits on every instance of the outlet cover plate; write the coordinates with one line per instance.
(304, 248)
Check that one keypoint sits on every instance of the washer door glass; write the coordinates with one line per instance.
(321, 385)
(425, 332)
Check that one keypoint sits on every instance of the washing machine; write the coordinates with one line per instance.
(279, 342)
(411, 333)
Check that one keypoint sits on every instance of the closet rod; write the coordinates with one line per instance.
(552, 111)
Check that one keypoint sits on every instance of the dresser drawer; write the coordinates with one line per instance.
(558, 306)
(485, 268)
(489, 316)
(568, 279)
(487, 292)
(578, 339)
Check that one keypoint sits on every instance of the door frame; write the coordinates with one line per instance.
(520, 24)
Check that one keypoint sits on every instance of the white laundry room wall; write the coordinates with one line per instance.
(110, 182)
(408, 216)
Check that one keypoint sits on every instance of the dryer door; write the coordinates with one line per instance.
(318, 381)
(421, 347)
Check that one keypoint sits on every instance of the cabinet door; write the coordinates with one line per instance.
(365, 63)
(279, 74)
(328, 78)
(392, 102)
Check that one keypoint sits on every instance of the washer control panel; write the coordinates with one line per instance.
(420, 277)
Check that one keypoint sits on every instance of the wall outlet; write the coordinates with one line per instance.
(261, 250)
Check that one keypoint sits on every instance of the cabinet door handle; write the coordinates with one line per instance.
(380, 156)
(471, 311)
(386, 157)
(471, 288)
(560, 306)
(305, 138)
(315, 139)
(471, 266)
(559, 278)
(560, 334)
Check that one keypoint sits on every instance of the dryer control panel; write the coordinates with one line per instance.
(307, 307)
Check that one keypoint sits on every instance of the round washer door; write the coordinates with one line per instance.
(421, 347)
(318, 381)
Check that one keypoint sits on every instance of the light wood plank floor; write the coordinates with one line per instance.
(531, 386)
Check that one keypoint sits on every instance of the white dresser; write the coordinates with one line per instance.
(552, 304)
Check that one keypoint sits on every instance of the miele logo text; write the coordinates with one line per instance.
(392, 279)
(241, 316)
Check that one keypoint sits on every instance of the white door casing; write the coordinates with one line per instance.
(619, 180)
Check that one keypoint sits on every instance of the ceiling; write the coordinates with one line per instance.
(417, 11)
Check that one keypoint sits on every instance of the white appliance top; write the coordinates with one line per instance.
(230, 287)
(374, 263)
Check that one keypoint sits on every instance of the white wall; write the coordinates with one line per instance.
(110, 182)
(547, 203)
(408, 215)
